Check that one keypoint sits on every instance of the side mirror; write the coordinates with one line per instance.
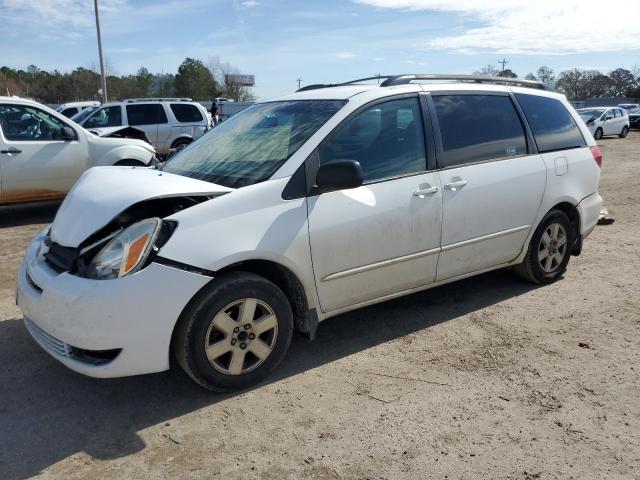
(66, 133)
(339, 175)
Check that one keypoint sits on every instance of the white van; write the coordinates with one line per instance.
(296, 210)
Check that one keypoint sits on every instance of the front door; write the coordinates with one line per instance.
(383, 237)
(492, 187)
(34, 164)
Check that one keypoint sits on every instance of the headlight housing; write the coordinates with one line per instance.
(127, 252)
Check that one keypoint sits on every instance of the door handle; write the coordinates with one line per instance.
(453, 186)
(425, 191)
(10, 151)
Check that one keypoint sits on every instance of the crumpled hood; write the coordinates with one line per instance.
(101, 193)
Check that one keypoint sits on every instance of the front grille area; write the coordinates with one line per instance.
(59, 348)
(49, 342)
(61, 259)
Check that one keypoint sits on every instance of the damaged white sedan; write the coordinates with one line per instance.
(297, 210)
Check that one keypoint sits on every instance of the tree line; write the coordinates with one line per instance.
(578, 83)
(194, 79)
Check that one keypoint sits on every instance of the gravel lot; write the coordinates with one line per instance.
(487, 378)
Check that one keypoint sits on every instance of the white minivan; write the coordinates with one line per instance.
(299, 209)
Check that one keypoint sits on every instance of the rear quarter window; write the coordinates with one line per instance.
(552, 125)
(186, 113)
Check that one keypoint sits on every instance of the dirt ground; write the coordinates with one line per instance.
(487, 378)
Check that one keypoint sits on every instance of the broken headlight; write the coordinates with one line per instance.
(127, 252)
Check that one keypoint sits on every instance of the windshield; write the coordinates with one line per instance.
(82, 114)
(591, 112)
(250, 146)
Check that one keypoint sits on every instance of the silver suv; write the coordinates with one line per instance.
(168, 122)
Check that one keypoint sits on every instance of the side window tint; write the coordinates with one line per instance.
(616, 112)
(105, 117)
(185, 112)
(478, 127)
(387, 139)
(21, 122)
(69, 112)
(553, 126)
(150, 114)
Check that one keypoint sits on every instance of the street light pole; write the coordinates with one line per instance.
(102, 72)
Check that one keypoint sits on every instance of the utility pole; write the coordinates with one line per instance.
(102, 72)
(504, 61)
(299, 82)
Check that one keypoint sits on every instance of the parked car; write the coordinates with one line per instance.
(296, 210)
(168, 122)
(42, 152)
(603, 121)
(633, 109)
(71, 108)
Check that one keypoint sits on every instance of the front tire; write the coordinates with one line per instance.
(127, 162)
(624, 132)
(598, 134)
(549, 250)
(234, 332)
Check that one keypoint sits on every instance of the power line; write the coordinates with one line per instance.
(299, 82)
(504, 61)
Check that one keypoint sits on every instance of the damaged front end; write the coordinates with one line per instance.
(122, 233)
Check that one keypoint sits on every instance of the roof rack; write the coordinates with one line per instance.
(391, 80)
(155, 99)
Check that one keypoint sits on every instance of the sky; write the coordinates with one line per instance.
(322, 41)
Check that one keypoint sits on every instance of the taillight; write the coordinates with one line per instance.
(597, 155)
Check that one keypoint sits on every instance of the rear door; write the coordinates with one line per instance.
(147, 117)
(493, 180)
(383, 237)
(34, 164)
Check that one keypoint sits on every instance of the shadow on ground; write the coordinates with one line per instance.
(48, 413)
(27, 214)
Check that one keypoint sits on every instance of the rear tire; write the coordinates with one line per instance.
(234, 332)
(598, 134)
(549, 250)
(624, 132)
(180, 143)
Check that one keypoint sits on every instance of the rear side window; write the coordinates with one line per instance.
(185, 112)
(552, 125)
(386, 138)
(149, 114)
(475, 128)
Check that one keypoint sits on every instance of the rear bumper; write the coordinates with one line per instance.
(589, 209)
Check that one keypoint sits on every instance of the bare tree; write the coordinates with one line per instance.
(487, 71)
(220, 70)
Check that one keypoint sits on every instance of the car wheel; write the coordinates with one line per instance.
(549, 250)
(624, 132)
(234, 332)
(598, 134)
(180, 143)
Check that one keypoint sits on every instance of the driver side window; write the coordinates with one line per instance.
(22, 122)
(386, 138)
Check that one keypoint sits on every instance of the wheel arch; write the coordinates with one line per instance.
(183, 138)
(305, 320)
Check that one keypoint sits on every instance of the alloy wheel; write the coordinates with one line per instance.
(552, 248)
(241, 336)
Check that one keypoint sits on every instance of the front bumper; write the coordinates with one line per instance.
(131, 318)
